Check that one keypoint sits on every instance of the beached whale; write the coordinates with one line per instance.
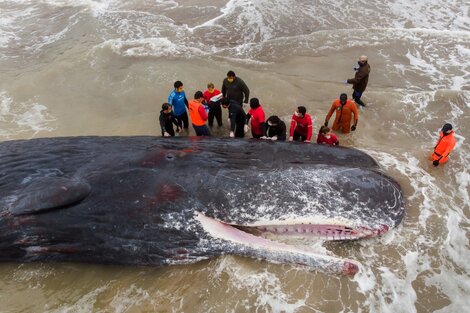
(160, 201)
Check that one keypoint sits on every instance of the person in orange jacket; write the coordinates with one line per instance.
(198, 115)
(444, 146)
(344, 108)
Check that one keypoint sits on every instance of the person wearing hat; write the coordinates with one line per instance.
(345, 109)
(198, 115)
(444, 146)
(360, 80)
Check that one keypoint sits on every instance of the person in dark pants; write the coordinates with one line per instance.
(198, 115)
(255, 117)
(212, 97)
(178, 101)
(275, 129)
(237, 117)
(234, 88)
(301, 125)
(360, 80)
(167, 120)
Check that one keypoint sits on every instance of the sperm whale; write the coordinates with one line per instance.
(161, 201)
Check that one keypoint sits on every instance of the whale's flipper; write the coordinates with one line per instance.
(47, 193)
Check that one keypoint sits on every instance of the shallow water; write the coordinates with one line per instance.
(85, 67)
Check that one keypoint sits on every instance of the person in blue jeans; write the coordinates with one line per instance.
(178, 101)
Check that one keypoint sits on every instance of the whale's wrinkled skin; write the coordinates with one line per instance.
(160, 201)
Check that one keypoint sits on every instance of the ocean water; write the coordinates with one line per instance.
(83, 67)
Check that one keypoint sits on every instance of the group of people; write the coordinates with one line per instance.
(207, 106)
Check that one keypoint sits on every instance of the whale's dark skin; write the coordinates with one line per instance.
(132, 200)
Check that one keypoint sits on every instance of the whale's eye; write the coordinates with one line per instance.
(170, 157)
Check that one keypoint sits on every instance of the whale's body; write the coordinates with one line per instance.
(159, 201)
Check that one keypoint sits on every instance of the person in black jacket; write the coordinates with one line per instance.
(234, 88)
(237, 117)
(275, 129)
(167, 120)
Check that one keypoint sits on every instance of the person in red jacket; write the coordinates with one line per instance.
(325, 136)
(301, 125)
(444, 146)
(257, 117)
(344, 110)
(212, 97)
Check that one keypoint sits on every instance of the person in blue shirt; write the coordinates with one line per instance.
(178, 101)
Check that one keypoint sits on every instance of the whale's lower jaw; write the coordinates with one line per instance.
(277, 252)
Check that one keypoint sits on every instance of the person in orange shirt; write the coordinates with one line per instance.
(198, 115)
(344, 108)
(444, 146)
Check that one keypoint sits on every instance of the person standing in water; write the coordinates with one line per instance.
(167, 120)
(344, 110)
(325, 136)
(301, 125)
(257, 118)
(178, 101)
(236, 116)
(234, 88)
(444, 146)
(212, 97)
(198, 115)
(360, 80)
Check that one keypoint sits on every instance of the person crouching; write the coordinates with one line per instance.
(325, 136)
(167, 120)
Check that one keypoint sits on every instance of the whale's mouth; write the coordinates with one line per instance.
(256, 246)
